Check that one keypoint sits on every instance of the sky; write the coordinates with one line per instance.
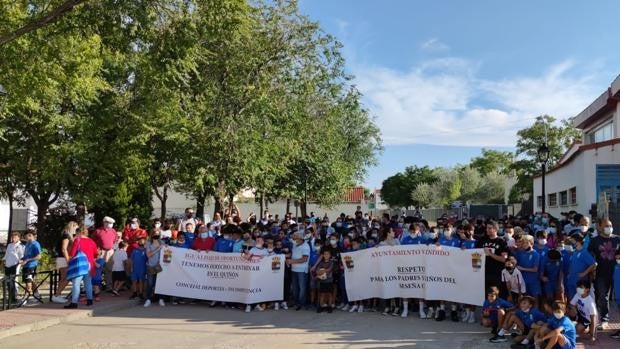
(444, 79)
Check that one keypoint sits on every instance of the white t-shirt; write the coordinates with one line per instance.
(298, 252)
(517, 284)
(166, 233)
(586, 307)
(255, 251)
(118, 260)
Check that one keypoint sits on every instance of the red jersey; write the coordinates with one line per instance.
(131, 237)
(89, 248)
(203, 244)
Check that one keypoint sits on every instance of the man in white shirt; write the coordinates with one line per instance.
(189, 218)
(299, 268)
(14, 254)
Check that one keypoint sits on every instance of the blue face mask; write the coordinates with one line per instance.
(500, 232)
(545, 221)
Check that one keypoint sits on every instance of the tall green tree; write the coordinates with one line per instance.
(493, 161)
(396, 190)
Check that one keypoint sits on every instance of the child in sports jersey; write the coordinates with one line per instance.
(494, 309)
(551, 274)
(513, 279)
(528, 320)
(98, 278)
(559, 331)
(584, 308)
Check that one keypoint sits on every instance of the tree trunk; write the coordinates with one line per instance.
(10, 197)
(42, 207)
(259, 216)
(200, 205)
(218, 206)
(163, 200)
(303, 209)
(288, 206)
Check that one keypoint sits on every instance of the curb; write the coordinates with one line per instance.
(53, 321)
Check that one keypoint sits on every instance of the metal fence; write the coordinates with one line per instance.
(12, 282)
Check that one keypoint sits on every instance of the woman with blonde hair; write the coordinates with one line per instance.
(62, 260)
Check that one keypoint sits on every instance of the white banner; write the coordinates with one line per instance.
(226, 277)
(416, 271)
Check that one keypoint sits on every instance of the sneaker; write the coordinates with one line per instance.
(248, 308)
(422, 314)
(615, 335)
(396, 311)
(147, 303)
(212, 304)
(59, 299)
(454, 315)
(345, 308)
(386, 311)
(133, 296)
(71, 306)
(404, 313)
(258, 308)
(89, 302)
(330, 309)
(276, 306)
(603, 326)
(465, 315)
(498, 339)
(284, 306)
(115, 292)
(342, 305)
(162, 303)
(353, 309)
(360, 309)
(431, 313)
(472, 318)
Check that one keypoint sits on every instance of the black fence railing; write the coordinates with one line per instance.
(12, 287)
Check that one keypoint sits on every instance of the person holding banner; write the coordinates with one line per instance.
(496, 251)
(298, 261)
(388, 238)
(257, 251)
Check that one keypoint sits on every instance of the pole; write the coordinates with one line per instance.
(544, 170)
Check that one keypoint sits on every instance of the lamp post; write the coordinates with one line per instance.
(543, 158)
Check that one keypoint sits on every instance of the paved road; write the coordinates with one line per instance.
(197, 326)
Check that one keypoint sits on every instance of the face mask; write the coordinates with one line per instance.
(226, 237)
(351, 235)
(157, 225)
(338, 224)
(608, 230)
(552, 230)
(618, 261)
(308, 236)
(317, 247)
(500, 232)
(583, 228)
(558, 315)
(508, 236)
(134, 226)
(447, 233)
(545, 221)
(376, 226)
(542, 241)
(413, 234)
(333, 242)
(204, 235)
(374, 235)
(580, 291)
(568, 248)
(432, 235)
(270, 250)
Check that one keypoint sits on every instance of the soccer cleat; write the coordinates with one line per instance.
(353, 309)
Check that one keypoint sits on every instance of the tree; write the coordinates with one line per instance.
(491, 189)
(424, 195)
(559, 139)
(396, 190)
(493, 161)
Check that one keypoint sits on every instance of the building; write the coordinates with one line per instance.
(589, 172)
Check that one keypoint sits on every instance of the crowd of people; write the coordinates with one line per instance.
(548, 280)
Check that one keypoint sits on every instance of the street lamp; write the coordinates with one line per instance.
(3, 95)
(543, 158)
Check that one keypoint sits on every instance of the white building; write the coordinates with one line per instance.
(590, 169)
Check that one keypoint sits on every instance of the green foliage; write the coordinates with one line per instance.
(396, 190)
(493, 161)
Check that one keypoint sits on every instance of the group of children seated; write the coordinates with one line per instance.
(555, 324)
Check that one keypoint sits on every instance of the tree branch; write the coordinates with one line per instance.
(50, 17)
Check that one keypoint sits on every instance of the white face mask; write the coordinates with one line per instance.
(608, 230)
(157, 225)
(618, 261)
(568, 248)
(552, 230)
(109, 225)
(583, 228)
(204, 235)
(333, 242)
(447, 233)
(134, 225)
(580, 291)
(542, 241)
(558, 315)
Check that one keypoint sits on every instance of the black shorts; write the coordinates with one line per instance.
(583, 320)
(28, 274)
(119, 276)
(326, 287)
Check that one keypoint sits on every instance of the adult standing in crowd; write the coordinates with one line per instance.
(496, 251)
(153, 251)
(189, 218)
(132, 234)
(87, 246)
(603, 248)
(62, 260)
(12, 257)
(105, 238)
(299, 268)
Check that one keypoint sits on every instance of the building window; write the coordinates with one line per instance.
(553, 199)
(539, 201)
(573, 196)
(563, 198)
(603, 133)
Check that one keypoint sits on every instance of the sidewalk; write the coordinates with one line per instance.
(33, 318)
